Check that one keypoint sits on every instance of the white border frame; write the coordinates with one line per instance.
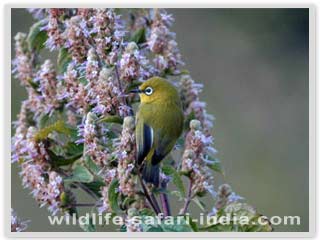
(6, 145)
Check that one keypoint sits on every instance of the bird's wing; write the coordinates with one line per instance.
(144, 140)
(165, 137)
(147, 140)
(157, 142)
(163, 146)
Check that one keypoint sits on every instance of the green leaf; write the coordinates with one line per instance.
(34, 85)
(192, 224)
(88, 227)
(180, 142)
(47, 119)
(72, 149)
(64, 199)
(247, 220)
(217, 228)
(43, 120)
(63, 154)
(187, 120)
(179, 225)
(58, 160)
(215, 165)
(66, 203)
(127, 201)
(92, 166)
(37, 37)
(123, 228)
(184, 72)
(160, 190)
(199, 203)
(146, 212)
(113, 195)
(80, 174)
(83, 80)
(176, 178)
(59, 126)
(64, 59)
(95, 187)
(172, 224)
(265, 227)
(139, 36)
(150, 228)
(110, 119)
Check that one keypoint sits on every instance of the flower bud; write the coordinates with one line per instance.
(132, 212)
(195, 125)
(128, 122)
(131, 47)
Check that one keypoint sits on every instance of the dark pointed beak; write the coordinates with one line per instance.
(136, 90)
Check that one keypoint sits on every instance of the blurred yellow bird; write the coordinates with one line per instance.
(159, 123)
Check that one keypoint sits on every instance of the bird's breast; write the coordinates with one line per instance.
(164, 117)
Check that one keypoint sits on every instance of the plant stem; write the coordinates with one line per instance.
(164, 200)
(146, 193)
(187, 201)
(154, 199)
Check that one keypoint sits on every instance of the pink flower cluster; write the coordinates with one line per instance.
(225, 195)
(162, 42)
(197, 148)
(22, 64)
(93, 143)
(101, 58)
(126, 155)
(189, 91)
(45, 185)
(17, 225)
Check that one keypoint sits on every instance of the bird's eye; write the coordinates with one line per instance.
(148, 91)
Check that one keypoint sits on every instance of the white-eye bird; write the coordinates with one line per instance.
(159, 123)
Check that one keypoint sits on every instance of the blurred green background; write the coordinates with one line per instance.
(254, 65)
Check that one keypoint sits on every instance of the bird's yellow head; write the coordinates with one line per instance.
(157, 89)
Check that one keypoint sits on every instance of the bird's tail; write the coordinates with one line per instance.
(150, 173)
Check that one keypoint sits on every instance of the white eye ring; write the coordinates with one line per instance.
(148, 91)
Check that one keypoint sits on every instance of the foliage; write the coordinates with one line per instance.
(76, 128)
